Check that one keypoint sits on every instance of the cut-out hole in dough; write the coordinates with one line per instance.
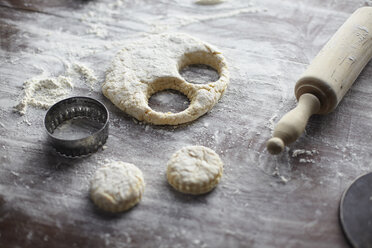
(199, 74)
(169, 101)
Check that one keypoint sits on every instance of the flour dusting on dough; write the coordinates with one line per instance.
(146, 66)
(117, 186)
(194, 170)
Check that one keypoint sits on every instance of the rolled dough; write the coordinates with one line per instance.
(152, 64)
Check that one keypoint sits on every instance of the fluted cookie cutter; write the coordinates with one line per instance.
(72, 108)
(152, 64)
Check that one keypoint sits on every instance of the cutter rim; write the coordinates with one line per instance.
(102, 130)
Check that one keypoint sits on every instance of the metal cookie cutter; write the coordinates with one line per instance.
(73, 108)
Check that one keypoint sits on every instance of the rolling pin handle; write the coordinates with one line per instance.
(328, 77)
(293, 124)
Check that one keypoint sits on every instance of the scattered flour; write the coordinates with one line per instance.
(271, 123)
(42, 92)
(29, 235)
(209, 2)
(193, 19)
(15, 173)
(277, 174)
(303, 151)
(116, 4)
(299, 152)
(307, 160)
(284, 180)
(182, 21)
(96, 15)
(97, 29)
(86, 73)
(228, 14)
(27, 122)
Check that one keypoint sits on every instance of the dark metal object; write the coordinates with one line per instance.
(77, 107)
(356, 212)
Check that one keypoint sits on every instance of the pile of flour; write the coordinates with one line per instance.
(43, 91)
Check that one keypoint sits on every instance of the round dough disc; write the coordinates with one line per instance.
(194, 170)
(117, 186)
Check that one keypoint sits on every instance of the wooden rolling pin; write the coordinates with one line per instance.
(329, 76)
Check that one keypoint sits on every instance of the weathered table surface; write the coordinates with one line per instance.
(262, 201)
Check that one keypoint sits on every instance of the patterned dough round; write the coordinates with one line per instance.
(194, 170)
(152, 64)
(117, 186)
